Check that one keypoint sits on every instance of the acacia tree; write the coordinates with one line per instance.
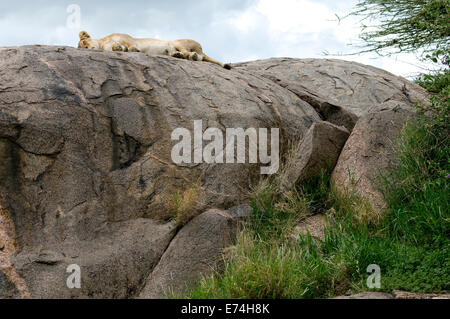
(417, 26)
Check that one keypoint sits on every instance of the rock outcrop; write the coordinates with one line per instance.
(195, 251)
(319, 150)
(86, 174)
(369, 152)
(340, 91)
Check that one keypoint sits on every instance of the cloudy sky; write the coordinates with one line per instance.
(229, 30)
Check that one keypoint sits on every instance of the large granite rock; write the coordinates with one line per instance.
(85, 157)
(86, 175)
(195, 251)
(369, 152)
(318, 152)
(341, 91)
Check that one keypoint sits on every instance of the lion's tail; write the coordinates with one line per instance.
(208, 59)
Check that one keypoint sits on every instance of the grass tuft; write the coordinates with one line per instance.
(183, 204)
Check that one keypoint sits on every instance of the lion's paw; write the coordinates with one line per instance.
(117, 47)
(195, 57)
(178, 55)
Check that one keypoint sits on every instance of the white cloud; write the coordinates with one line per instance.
(231, 31)
(295, 16)
(306, 28)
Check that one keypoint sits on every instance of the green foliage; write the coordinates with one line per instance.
(394, 26)
(435, 83)
(258, 269)
(274, 214)
(316, 191)
(309, 268)
(419, 200)
(437, 119)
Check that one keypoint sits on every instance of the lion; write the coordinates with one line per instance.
(183, 48)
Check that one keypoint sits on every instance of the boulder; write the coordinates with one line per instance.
(195, 251)
(85, 157)
(86, 173)
(114, 264)
(318, 152)
(369, 152)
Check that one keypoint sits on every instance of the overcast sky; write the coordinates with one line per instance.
(229, 30)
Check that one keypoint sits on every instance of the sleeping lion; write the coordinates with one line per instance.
(184, 49)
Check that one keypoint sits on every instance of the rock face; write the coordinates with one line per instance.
(85, 157)
(319, 150)
(341, 91)
(369, 151)
(86, 175)
(193, 252)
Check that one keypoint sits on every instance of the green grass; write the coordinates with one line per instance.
(261, 269)
(410, 242)
(268, 267)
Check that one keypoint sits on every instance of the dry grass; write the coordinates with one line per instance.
(348, 198)
(183, 204)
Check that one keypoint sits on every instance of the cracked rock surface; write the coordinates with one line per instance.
(86, 174)
(341, 91)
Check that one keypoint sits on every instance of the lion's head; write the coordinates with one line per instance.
(86, 42)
